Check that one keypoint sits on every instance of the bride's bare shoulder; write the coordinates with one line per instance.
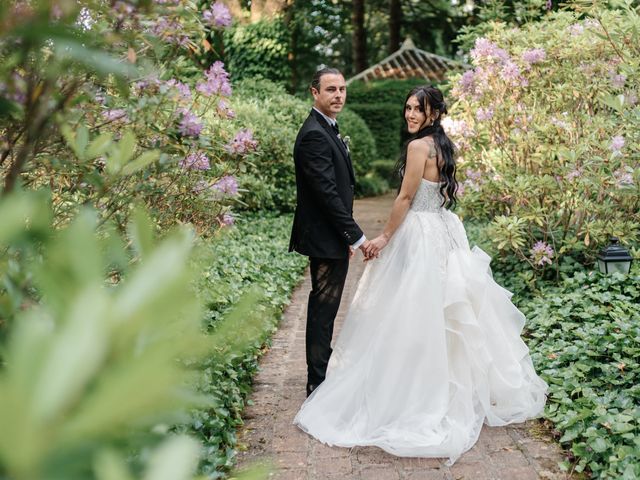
(422, 146)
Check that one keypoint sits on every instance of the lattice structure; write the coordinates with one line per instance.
(410, 62)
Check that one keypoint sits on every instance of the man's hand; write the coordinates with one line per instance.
(363, 248)
(372, 250)
(352, 252)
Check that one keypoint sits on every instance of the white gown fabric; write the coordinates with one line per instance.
(430, 348)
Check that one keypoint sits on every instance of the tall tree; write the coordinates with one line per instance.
(395, 23)
(267, 9)
(359, 37)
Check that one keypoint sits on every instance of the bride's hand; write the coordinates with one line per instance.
(374, 247)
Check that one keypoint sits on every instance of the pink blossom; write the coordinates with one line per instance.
(190, 125)
(225, 110)
(227, 219)
(573, 174)
(218, 15)
(457, 128)
(217, 81)
(227, 185)
(169, 30)
(618, 80)
(542, 253)
(195, 161)
(183, 89)
(535, 55)
(623, 177)
(483, 114)
(576, 29)
(510, 72)
(617, 143)
(242, 143)
(487, 50)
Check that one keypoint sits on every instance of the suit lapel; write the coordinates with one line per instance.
(338, 142)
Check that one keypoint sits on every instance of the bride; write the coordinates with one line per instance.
(430, 348)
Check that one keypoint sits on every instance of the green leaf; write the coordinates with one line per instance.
(142, 161)
(99, 145)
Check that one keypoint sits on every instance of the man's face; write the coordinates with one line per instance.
(332, 95)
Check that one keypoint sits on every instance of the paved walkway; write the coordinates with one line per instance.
(520, 452)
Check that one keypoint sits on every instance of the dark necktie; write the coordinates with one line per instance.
(335, 128)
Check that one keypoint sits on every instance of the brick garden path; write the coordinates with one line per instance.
(520, 452)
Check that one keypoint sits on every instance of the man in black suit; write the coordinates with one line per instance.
(323, 226)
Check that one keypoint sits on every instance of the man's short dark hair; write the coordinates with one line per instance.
(315, 81)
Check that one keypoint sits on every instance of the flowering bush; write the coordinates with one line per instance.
(105, 106)
(548, 126)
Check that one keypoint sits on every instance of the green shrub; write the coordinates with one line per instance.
(362, 149)
(275, 118)
(253, 255)
(585, 339)
(258, 50)
(90, 367)
(380, 104)
(385, 169)
(371, 185)
(548, 127)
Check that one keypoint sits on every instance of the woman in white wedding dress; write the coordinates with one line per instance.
(430, 348)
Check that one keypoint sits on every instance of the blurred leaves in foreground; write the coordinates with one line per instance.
(98, 344)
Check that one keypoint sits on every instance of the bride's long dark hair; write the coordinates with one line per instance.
(444, 146)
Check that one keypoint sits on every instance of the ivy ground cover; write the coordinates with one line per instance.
(585, 339)
(250, 260)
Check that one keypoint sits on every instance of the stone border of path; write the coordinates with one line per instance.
(517, 452)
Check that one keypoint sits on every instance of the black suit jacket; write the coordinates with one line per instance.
(323, 225)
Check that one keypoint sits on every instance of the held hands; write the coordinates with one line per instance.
(371, 249)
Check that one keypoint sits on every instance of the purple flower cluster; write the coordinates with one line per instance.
(535, 55)
(227, 219)
(457, 128)
(623, 177)
(217, 81)
(227, 185)
(576, 29)
(218, 15)
(242, 143)
(183, 89)
(618, 80)
(195, 161)
(190, 125)
(224, 110)
(542, 253)
(486, 50)
(474, 179)
(169, 30)
(484, 114)
(573, 174)
(510, 73)
(617, 143)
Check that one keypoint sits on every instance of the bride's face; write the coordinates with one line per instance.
(414, 115)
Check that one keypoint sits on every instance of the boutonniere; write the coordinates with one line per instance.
(346, 140)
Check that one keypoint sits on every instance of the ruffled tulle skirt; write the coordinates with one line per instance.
(429, 351)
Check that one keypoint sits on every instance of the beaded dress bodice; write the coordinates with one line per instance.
(428, 197)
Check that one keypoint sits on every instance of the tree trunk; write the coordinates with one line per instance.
(236, 9)
(359, 38)
(395, 23)
(266, 9)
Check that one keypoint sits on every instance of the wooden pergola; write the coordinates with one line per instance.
(410, 62)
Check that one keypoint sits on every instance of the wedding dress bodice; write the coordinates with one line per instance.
(428, 197)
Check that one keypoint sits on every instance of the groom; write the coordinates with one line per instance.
(323, 226)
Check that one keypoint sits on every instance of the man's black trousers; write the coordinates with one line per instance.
(327, 282)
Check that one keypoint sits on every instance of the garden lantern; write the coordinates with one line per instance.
(614, 258)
